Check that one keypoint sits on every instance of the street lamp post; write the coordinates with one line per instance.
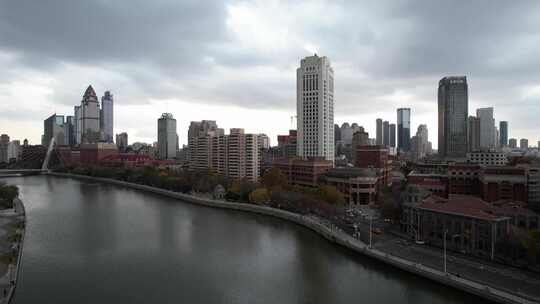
(444, 242)
(370, 230)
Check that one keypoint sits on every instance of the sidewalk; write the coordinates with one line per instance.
(8, 281)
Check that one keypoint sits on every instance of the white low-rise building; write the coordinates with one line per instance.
(487, 158)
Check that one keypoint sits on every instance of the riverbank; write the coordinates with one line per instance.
(334, 236)
(9, 218)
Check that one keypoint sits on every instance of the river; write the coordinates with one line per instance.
(97, 243)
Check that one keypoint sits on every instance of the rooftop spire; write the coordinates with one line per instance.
(90, 92)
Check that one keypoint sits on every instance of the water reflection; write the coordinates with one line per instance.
(94, 243)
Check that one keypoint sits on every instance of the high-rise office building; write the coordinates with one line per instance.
(453, 106)
(473, 138)
(287, 144)
(337, 136)
(379, 132)
(53, 127)
(497, 137)
(264, 141)
(404, 129)
(69, 130)
(77, 124)
(503, 133)
(419, 144)
(346, 133)
(167, 136)
(90, 131)
(386, 133)
(512, 143)
(315, 107)
(393, 135)
(524, 144)
(107, 117)
(4, 147)
(122, 141)
(487, 128)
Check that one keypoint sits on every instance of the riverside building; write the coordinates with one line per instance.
(236, 155)
(89, 119)
(167, 137)
(107, 117)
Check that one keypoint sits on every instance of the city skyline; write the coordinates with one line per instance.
(38, 84)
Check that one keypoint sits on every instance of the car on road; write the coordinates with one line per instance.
(377, 230)
(420, 242)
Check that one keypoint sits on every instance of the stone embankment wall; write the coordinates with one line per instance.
(332, 235)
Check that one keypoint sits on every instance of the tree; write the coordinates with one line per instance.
(331, 195)
(274, 178)
(532, 245)
(387, 204)
(259, 196)
(511, 245)
(7, 194)
(240, 190)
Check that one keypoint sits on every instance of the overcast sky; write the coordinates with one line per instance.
(235, 61)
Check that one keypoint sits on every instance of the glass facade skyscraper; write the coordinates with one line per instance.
(453, 104)
(404, 129)
(503, 133)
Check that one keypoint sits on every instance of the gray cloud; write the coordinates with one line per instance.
(385, 54)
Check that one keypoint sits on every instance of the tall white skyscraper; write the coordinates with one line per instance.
(315, 107)
(487, 128)
(107, 117)
(167, 139)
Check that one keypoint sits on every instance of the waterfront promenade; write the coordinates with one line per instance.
(488, 291)
(12, 231)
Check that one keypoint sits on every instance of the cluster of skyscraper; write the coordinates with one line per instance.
(460, 133)
(238, 154)
(10, 150)
(89, 124)
(418, 145)
(482, 132)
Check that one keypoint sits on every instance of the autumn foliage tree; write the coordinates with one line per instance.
(259, 196)
(273, 178)
(331, 195)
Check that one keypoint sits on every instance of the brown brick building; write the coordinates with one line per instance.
(93, 153)
(358, 185)
(374, 157)
(302, 172)
(503, 183)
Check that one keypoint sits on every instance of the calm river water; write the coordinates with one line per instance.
(96, 243)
